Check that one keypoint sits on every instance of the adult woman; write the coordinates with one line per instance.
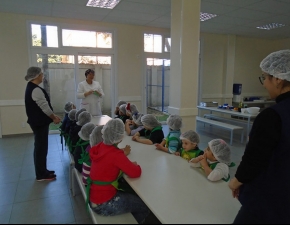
(262, 180)
(40, 114)
(90, 92)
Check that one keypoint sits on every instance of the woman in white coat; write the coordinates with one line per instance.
(90, 92)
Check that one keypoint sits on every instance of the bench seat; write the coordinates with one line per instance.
(226, 126)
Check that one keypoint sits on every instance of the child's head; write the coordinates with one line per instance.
(96, 136)
(174, 122)
(86, 130)
(190, 140)
(137, 119)
(72, 114)
(122, 110)
(83, 118)
(113, 131)
(79, 112)
(149, 121)
(218, 150)
(69, 106)
(131, 109)
(120, 103)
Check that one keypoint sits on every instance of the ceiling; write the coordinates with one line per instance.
(239, 17)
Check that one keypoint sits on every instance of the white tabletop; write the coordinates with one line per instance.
(176, 192)
(100, 120)
(227, 111)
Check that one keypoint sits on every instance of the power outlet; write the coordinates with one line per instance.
(23, 124)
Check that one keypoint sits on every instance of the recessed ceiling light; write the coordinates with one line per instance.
(107, 4)
(206, 16)
(271, 26)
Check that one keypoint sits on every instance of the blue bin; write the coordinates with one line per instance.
(237, 89)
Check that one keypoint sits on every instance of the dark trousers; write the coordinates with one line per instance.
(40, 149)
(246, 217)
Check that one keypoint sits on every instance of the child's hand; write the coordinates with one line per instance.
(127, 149)
(158, 146)
(177, 153)
(135, 163)
(135, 138)
(203, 161)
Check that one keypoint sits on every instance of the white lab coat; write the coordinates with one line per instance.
(92, 103)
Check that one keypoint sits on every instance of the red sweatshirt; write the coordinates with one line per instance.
(107, 161)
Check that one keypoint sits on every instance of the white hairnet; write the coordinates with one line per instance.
(121, 103)
(113, 131)
(96, 136)
(68, 107)
(220, 150)
(191, 136)
(83, 118)
(79, 112)
(72, 114)
(122, 108)
(32, 73)
(137, 118)
(131, 109)
(277, 64)
(174, 122)
(86, 130)
(150, 121)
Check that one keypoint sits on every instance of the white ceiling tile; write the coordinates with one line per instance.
(152, 2)
(231, 20)
(270, 6)
(249, 14)
(133, 15)
(237, 3)
(143, 8)
(215, 8)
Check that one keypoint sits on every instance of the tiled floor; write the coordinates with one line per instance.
(24, 200)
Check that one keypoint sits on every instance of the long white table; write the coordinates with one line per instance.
(177, 193)
(231, 112)
(100, 120)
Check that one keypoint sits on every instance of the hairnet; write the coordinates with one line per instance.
(122, 108)
(121, 103)
(131, 109)
(68, 107)
(113, 131)
(86, 130)
(174, 122)
(150, 121)
(191, 136)
(79, 112)
(220, 150)
(72, 114)
(83, 118)
(32, 73)
(277, 64)
(137, 118)
(96, 136)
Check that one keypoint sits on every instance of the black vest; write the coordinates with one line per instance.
(36, 117)
(268, 195)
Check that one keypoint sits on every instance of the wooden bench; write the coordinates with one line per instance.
(126, 218)
(224, 126)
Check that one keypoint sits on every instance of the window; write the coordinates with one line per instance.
(44, 35)
(153, 43)
(92, 39)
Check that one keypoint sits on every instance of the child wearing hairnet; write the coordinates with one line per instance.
(70, 124)
(122, 113)
(67, 108)
(152, 131)
(108, 165)
(82, 144)
(134, 125)
(190, 140)
(172, 142)
(83, 118)
(116, 112)
(131, 110)
(215, 161)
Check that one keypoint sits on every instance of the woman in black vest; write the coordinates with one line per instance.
(262, 180)
(40, 115)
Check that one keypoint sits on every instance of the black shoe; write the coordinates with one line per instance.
(48, 177)
(51, 171)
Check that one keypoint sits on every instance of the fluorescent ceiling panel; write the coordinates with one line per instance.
(108, 4)
(271, 26)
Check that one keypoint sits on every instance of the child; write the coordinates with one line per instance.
(134, 125)
(172, 142)
(108, 165)
(118, 107)
(67, 108)
(131, 110)
(152, 131)
(82, 144)
(122, 113)
(190, 141)
(215, 161)
(69, 125)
